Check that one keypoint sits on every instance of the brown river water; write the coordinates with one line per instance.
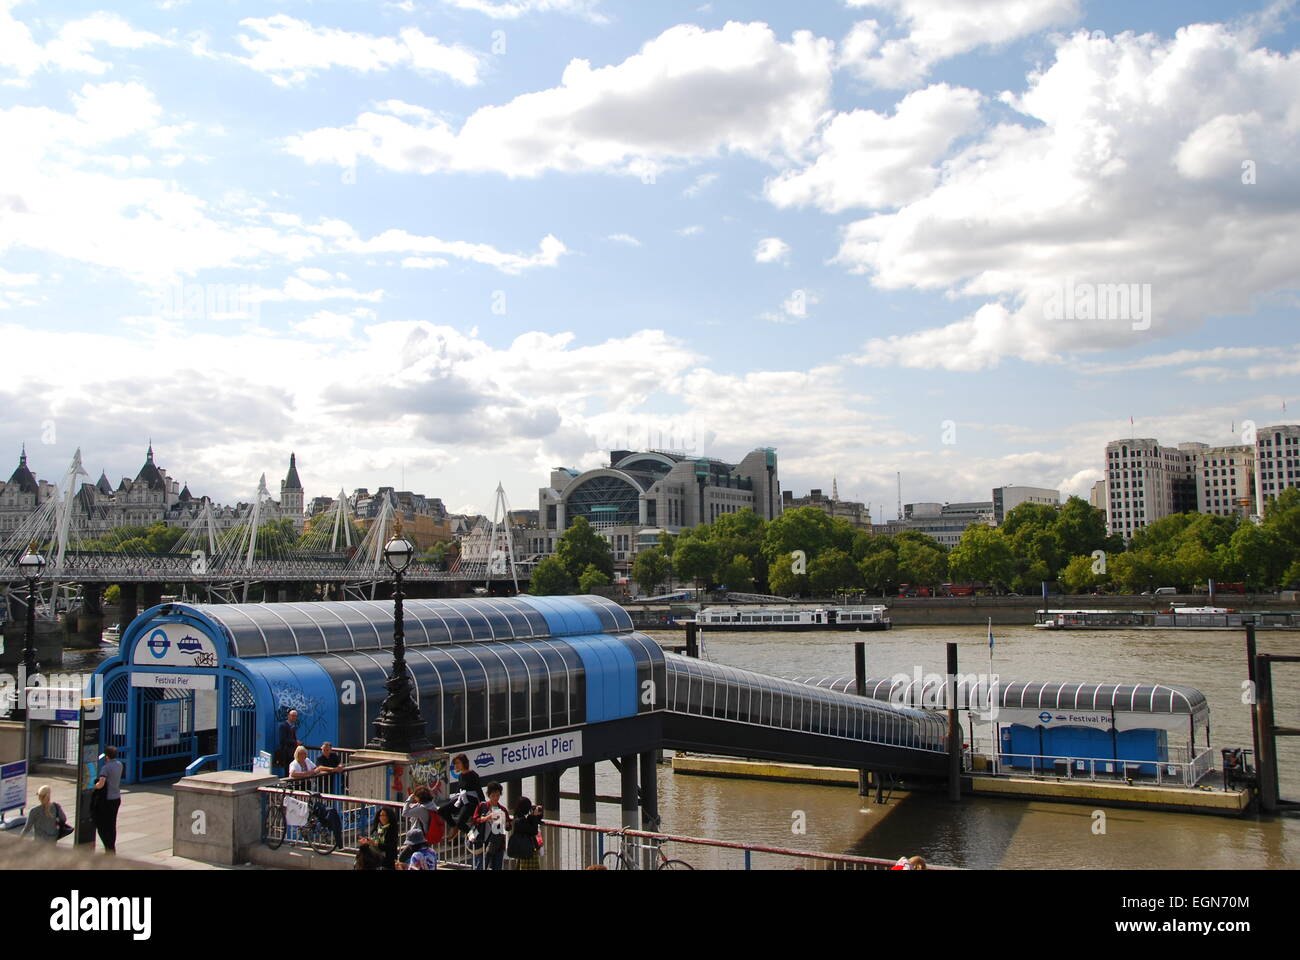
(987, 833)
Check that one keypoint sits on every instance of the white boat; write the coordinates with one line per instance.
(112, 636)
(784, 619)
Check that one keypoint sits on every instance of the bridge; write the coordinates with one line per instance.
(222, 563)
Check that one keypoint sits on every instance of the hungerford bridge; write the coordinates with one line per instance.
(222, 564)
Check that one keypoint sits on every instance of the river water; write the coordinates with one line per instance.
(988, 832)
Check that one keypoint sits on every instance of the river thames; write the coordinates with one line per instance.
(988, 833)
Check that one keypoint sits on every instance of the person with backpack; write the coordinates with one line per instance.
(487, 841)
(526, 836)
(421, 809)
(417, 855)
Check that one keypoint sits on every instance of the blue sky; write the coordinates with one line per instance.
(463, 241)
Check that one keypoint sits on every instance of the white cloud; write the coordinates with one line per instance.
(793, 308)
(1110, 180)
(71, 49)
(700, 184)
(329, 325)
(513, 9)
(624, 238)
(298, 288)
(549, 250)
(867, 159)
(690, 231)
(936, 30)
(289, 51)
(689, 93)
(772, 250)
(423, 263)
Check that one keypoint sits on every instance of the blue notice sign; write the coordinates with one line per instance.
(13, 785)
(65, 716)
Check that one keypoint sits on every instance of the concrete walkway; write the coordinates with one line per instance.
(144, 831)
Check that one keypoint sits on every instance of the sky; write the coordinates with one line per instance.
(440, 245)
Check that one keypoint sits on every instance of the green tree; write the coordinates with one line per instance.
(550, 579)
(784, 582)
(737, 574)
(1253, 555)
(1080, 527)
(833, 571)
(879, 571)
(581, 546)
(651, 569)
(592, 578)
(1079, 577)
(982, 554)
(805, 529)
(921, 565)
(695, 559)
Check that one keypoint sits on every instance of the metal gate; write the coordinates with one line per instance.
(112, 731)
(165, 732)
(242, 726)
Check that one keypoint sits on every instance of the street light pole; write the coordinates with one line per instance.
(31, 564)
(399, 727)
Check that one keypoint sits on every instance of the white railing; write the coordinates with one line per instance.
(1159, 772)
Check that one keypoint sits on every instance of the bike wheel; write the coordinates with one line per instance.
(320, 837)
(615, 860)
(275, 829)
(675, 865)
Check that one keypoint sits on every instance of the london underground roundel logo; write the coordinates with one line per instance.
(158, 644)
(1045, 717)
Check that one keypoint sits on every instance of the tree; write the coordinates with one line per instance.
(879, 570)
(832, 571)
(1080, 527)
(1254, 554)
(651, 569)
(695, 560)
(805, 529)
(921, 565)
(592, 578)
(1078, 575)
(982, 554)
(737, 574)
(581, 546)
(550, 579)
(784, 582)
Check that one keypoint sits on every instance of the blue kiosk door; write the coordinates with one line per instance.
(164, 732)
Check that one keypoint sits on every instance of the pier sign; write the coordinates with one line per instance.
(521, 754)
(175, 681)
(175, 645)
(13, 785)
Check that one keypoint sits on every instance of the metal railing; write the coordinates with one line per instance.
(1160, 772)
(579, 846)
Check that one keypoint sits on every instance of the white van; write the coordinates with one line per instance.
(1165, 591)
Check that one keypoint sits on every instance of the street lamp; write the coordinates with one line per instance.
(399, 727)
(31, 565)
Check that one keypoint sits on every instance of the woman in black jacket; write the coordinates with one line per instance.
(379, 850)
(458, 811)
(523, 846)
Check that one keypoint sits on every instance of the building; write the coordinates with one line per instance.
(1225, 481)
(424, 519)
(651, 491)
(857, 514)
(1277, 462)
(1097, 496)
(21, 495)
(1147, 481)
(1006, 499)
(945, 522)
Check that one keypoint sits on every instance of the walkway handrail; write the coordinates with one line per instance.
(723, 844)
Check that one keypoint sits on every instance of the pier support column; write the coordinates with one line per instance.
(1266, 758)
(587, 812)
(551, 859)
(649, 803)
(693, 640)
(128, 604)
(631, 803)
(90, 622)
(152, 594)
(860, 684)
(954, 728)
(514, 790)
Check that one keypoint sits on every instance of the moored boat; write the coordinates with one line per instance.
(789, 619)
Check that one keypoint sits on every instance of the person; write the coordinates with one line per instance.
(328, 758)
(301, 768)
(379, 850)
(909, 863)
(491, 821)
(286, 740)
(45, 819)
(523, 846)
(105, 807)
(461, 807)
(416, 854)
(420, 807)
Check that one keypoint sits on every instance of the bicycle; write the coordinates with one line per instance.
(318, 832)
(621, 860)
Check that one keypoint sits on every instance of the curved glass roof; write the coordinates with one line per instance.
(287, 629)
(1048, 694)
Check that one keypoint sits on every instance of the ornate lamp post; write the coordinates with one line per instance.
(399, 727)
(31, 565)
